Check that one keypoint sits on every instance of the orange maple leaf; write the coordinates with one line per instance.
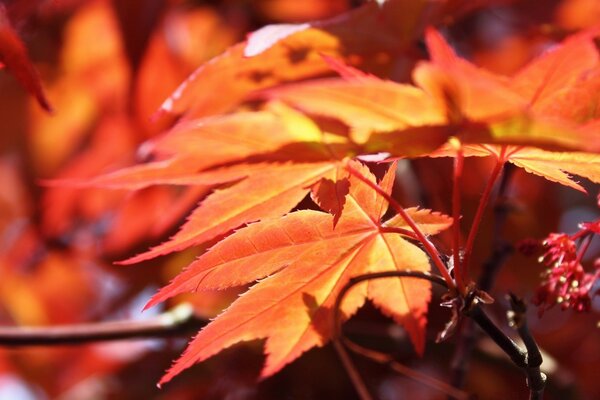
(270, 159)
(456, 98)
(302, 262)
(533, 107)
(560, 84)
(371, 36)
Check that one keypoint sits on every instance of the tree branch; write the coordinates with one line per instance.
(529, 360)
(178, 321)
(536, 380)
(516, 354)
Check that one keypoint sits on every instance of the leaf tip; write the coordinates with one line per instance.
(44, 102)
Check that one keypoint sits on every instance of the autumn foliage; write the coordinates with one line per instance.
(265, 161)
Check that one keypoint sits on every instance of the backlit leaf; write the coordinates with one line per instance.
(305, 262)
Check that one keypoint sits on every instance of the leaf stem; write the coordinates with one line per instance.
(431, 250)
(483, 202)
(456, 208)
(499, 253)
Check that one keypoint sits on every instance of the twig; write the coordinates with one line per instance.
(464, 348)
(529, 360)
(536, 380)
(388, 360)
(351, 370)
(516, 354)
(337, 320)
(178, 321)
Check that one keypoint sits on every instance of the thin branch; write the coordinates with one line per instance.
(401, 231)
(516, 354)
(178, 321)
(529, 360)
(429, 247)
(424, 379)
(351, 370)
(536, 380)
(465, 345)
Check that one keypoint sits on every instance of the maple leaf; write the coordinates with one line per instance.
(560, 85)
(371, 35)
(271, 159)
(257, 63)
(556, 73)
(367, 105)
(530, 107)
(302, 262)
(454, 97)
(13, 55)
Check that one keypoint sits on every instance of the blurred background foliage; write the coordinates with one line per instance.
(106, 67)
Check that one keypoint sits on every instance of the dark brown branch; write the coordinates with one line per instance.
(517, 355)
(536, 380)
(529, 360)
(474, 311)
(178, 321)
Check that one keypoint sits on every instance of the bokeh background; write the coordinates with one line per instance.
(106, 67)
